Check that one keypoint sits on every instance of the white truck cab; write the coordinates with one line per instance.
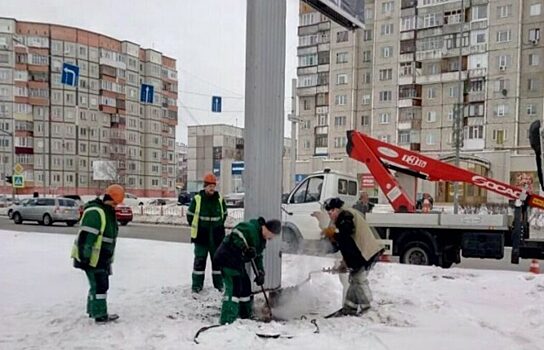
(301, 230)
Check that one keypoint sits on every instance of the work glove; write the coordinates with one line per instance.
(250, 253)
(259, 279)
(329, 232)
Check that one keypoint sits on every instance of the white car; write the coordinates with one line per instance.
(132, 201)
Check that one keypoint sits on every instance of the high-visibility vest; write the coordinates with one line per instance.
(197, 217)
(95, 254)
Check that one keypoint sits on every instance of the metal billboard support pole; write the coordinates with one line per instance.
(264, 120)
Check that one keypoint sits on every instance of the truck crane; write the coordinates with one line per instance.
(438, 238)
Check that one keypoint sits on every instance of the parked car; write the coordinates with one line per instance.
(16, 204)
(6, 201)
(47, 211)
(235, 200)
(131, 200)
(185, 198)
(160, 201)
(123, 213)
(78, 200)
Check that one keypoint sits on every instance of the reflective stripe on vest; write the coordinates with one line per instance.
(197, 217)
(95, 254)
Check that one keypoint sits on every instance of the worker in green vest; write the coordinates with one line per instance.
(94, 247)
(206, 216)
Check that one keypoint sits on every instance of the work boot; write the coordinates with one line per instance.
(342, 312)
(106, 319)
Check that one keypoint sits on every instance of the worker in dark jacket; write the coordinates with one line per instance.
(363, 204)
(360, 249)
(206, 216)
(246, 242)
(94, 248)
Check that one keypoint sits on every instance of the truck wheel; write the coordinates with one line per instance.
(290, 241)
(417, 253)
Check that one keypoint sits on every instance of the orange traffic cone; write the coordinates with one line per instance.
(535, 267)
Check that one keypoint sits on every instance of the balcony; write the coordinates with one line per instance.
(306, 50)
(409, 102)
(322, 110)
(406, 57)
(453, 76)
(410, 124)
(473, 144)
(408, 35)
(117, 120)
(306, 70)
(408, 3)
(428, 55)
(476, 96)
(324, 47)
(322, 88)
(428, 79)
(407, 79)
(477, 72)
(478, 48)
(481, 24)
(108, 70)
(323, 68)
(306, 91)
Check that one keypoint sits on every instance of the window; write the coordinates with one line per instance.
(387, 7)
(534, 10)
(502, 84)
(504, 36)
(342, 57)
(367, 35)
(475, 132)
(480, 38)
(532, 84)
(385, 96)
(340, 121)
(405, 69)
(534, 35)
(450, 115)
(499, 136)
(367, 57)
(340, 142)
(365, 120)
(454, 91)
(387, 29)
(387, 51)
(340, 100)
(404, 137)
(531, 110)
(431, 93)
(307, 60)
(504, 11)
(502, 110)
(504, 61)
(366, 99)
(385, 118)
(430, 139)
(342, 36)
(367, 78)
(308, 191)
(431, 116)
(386, 74)
(408, 23)
(430, 20)
(306, 103)
(341, 79)
(479, 12)
(385, 138)
(533, 59)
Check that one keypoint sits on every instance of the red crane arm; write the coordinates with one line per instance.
(374, 153)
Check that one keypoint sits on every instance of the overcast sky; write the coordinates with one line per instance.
(206, 37)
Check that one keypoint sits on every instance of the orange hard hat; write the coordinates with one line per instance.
(210, 178)
(116, 192)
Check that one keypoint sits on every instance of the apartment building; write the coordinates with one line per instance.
(181, 166)
(61, 131)
(220, 148)
(413, 70)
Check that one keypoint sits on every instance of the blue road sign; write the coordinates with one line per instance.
(216, 104)
(18, 181)
(237, 168)
(146, 93)
(70, 74)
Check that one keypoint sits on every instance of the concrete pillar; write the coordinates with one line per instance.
(264, 119)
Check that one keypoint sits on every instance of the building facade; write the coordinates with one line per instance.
(59, 131)
(181, 166)
(414, 69)
(220, 148)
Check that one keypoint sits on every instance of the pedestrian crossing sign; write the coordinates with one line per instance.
(18, 181)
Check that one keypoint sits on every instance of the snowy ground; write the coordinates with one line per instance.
(42, 303)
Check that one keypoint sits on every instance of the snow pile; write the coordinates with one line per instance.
(42, 301)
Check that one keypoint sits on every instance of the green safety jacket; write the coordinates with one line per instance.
(245, 234)
(207, 215)
(94, 245)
